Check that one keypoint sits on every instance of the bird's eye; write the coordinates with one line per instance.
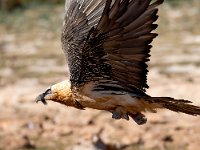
(48, 91)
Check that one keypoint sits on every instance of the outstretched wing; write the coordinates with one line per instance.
(80, 17)
(109, 40)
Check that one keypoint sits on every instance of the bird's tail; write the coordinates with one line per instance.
(177, 105)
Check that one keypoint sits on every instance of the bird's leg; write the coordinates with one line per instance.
(139, 118)
(120, 113)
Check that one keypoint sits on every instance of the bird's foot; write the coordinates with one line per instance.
(119, 113)
(116, 115)
(139, 118)
(125, 116)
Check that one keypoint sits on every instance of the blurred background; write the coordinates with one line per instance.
(31, 59)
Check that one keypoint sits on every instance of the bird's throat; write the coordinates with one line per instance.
(62, 93)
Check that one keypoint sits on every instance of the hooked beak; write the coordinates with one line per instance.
(47, 95)
(41, 98)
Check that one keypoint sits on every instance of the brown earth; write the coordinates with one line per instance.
(31, 59)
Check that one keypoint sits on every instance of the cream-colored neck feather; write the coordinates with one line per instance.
(64, 85)
(61, 93)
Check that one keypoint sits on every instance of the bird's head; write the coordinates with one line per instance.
(60, 92)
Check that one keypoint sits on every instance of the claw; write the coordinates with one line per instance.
(120, 113)
(139, 118)
(116, 115)
(125, 116)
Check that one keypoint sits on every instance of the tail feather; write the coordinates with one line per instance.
(177, 105)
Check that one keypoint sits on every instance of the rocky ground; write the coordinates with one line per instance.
(31, 59)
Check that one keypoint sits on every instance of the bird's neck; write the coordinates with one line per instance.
(64, 95)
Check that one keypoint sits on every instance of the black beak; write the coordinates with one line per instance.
(41, 98)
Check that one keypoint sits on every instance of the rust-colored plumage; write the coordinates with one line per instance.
(107, 44)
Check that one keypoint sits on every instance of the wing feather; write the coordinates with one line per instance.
(80, 17)
(132, 31)
(109, 40)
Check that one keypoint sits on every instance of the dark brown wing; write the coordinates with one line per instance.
(117, 48)
(80, 17)
(129, 25)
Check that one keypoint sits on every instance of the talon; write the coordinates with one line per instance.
(139, 118)
(125, 116)
(116, 115)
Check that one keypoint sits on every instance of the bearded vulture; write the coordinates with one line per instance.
(107, 45)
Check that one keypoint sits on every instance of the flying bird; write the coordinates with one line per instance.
(107, 45)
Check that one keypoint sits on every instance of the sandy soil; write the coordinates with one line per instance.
(31, 59)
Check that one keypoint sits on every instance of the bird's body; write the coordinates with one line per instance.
(107, 99)
(87, 96)
(107, 45)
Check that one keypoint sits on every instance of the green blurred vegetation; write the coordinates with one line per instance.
(9, 5)
(14, 13)
(176, 2)
(23, 15)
